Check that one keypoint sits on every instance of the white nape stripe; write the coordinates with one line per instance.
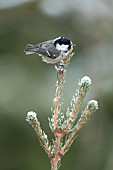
(62, 47)
(56, 39)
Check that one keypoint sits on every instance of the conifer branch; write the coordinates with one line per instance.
(90, 108)
(64, 126)
(58, 97)
(32, 119)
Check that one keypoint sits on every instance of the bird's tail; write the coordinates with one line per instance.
(30, 49)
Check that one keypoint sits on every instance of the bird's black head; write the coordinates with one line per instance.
(63, 43)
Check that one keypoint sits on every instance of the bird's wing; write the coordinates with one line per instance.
(47, 49)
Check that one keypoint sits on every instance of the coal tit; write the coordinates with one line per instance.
(52, 51)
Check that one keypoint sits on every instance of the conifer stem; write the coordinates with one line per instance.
(57, 98)
(56, 157)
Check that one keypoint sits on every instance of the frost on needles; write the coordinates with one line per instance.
(64, 126)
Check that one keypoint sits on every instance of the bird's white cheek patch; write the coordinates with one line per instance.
(62, 47)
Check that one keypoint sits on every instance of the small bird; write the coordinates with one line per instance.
(52, 51)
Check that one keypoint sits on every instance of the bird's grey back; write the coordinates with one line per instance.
(46, 48)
